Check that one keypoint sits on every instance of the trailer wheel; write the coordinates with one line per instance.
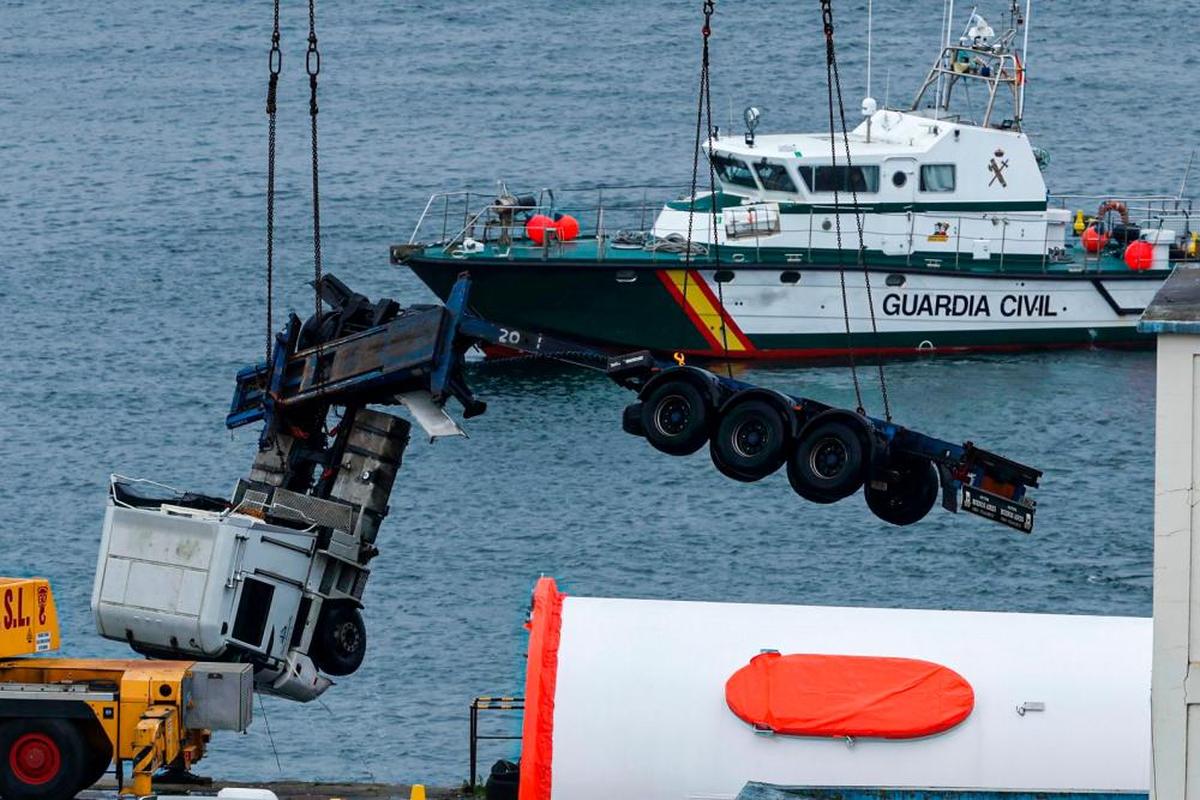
(905, 491)
(675, 418)
(340, 640)
(828, 463)
(750, 442)
(41, 759)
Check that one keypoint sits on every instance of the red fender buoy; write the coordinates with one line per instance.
(1139, 255)
(536, 227)
(1093, 240)
(568, 227)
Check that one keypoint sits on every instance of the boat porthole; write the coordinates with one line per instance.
(739, 257)
(826, 225)
(789, 276)
(626, 276)
(723, 276)
(899, 178)
(925, 345)
(895, 279)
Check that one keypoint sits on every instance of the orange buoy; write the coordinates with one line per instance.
(1139, 255)
(536, 227)
(1093, 240)
(568, 227)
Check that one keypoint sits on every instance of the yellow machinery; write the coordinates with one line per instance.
(64, 722)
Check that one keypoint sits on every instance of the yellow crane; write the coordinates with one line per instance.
(65, 721)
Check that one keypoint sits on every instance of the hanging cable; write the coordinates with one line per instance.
(312, 64)
(834, 87)
(274, 67)
(703, 119)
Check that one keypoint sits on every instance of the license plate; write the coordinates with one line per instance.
(997, 508)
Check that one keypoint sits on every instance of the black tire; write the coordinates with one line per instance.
(905, 491)
(99, 753)
(340, 640)
(750, 442)
(504, 781)
(41, 759)
(828, 463)
(675, 418)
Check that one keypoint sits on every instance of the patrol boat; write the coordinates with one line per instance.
(962, 248)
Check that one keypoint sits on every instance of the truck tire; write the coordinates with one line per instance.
(828, 463)
(42, 759)
(750, 442)
(99, 752)
(675, 418)
(905, 492)
(340, 640)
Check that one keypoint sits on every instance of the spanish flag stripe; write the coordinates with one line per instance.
(705, 310)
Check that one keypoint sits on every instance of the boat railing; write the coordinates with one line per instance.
(1140, 206)
(449, 218)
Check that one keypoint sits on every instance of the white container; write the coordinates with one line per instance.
(626, 698)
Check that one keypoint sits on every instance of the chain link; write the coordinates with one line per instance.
(274, 67)
(834, 87)
(312, 64)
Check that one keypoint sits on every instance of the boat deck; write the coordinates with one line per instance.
(588, 251)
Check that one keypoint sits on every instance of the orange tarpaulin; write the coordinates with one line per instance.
(859, 696)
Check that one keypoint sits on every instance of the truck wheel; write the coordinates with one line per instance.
(340, 640)
(904, 492)
(100, 754)
(41, 759)
(828, 463)
(750, 442)
(675, 418)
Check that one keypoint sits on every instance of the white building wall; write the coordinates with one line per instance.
(1176, 669)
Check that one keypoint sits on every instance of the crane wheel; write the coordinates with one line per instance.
(750, 442)
(42, 759)
(829, 461)
(340, 640)
(675, 418)
(99, 754)
(903, 492)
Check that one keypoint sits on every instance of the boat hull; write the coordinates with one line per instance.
(770, 312)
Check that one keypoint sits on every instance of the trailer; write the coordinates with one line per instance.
(65, 721)
(275, 576)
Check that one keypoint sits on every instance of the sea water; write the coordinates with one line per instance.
(132, 174)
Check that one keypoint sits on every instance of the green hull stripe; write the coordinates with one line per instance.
(733, 201)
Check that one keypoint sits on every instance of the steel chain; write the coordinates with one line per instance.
(834, 86)
(274, 67)
(312, 65)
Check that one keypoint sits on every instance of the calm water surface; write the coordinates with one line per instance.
(132, 145)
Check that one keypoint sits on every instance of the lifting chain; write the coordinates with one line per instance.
(274, 67)
(704, 118)
(834, 86)
(312, 64)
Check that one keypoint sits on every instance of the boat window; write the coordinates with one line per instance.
(937, 177)
(841, 179)
(774, 177)
(735, 171)
(899, 178)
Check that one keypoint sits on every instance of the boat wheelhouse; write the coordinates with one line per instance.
(962, 248)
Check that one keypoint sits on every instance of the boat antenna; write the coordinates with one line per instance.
(1186, 172)
(869, 15)
(834, 86)
(1024, 60)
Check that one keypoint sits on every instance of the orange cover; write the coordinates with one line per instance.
(541, 675)
(859, 696)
